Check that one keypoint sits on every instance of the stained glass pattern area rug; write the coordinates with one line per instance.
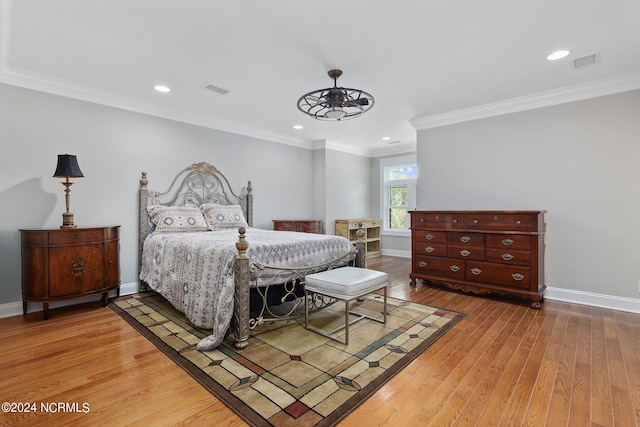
(289, 375)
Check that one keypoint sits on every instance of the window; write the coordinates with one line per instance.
(399, 196)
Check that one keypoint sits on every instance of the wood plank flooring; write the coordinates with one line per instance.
(504, 365)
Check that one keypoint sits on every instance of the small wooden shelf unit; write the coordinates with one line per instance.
(480, 251)
(373, 238)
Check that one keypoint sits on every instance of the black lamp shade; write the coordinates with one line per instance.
(67, 167)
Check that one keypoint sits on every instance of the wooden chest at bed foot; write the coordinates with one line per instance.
(480, 251)
(70, 263)
(299, 225)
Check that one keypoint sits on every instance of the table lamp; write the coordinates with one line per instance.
(67, 168)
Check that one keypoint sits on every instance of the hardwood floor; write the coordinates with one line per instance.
(504, 364)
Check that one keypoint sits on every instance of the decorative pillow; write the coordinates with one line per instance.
(223, 217)
(175, 219)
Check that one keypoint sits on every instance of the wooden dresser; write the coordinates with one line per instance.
(372, 236)
(67, 263)
(480, 251)
(300, 225)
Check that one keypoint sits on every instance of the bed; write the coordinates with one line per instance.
(199, 250)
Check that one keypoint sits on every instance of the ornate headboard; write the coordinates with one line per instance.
(196, 184)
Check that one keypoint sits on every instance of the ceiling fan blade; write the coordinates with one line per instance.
(359, 101)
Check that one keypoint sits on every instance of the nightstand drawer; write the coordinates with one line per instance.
(66, 237)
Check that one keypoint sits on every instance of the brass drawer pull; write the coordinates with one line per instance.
(429, 236)
(476, 271)
(507, 242)
(465, 252)
(517, 276)
(422, 264)
(507, 257)
(465, 239)
(454, 268)
(429, 249)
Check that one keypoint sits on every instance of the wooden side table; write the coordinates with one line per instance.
(68, 263)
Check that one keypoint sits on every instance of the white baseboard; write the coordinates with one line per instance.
(555, 294)
(15, 308)
(595, 300)
(395, 252)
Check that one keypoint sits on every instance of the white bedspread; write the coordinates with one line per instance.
(194, 271)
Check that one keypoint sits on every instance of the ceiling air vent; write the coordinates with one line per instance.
(213, 88)
(586, 61)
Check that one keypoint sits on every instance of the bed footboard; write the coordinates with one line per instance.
(241, 325)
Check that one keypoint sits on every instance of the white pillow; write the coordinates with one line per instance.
(175, 219)
(223, 217)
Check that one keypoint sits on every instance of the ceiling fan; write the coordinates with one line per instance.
(336, 103)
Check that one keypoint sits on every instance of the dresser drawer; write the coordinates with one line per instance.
(438, 220)
(429, 236)
(515, 242)
(466, 239)
(466, 252)
(508, 275)
(65, 237)
(490, 221)
(507, 256)
(427, 248)
(439, 267)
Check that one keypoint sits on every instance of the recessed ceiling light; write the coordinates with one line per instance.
(298, 126)
(386, 138)
(162, 88)
(558, 55)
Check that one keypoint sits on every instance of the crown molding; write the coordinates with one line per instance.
(579, 92)
(330, 145)
(406, 148)
(25, 79)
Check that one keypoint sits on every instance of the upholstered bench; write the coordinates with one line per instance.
(345, 284)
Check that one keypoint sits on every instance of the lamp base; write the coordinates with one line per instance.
(67, 220)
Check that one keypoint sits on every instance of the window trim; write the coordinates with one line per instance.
(408, 160)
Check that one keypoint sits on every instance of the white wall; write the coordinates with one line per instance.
(113, 146)
(579, 161)
(347, 190)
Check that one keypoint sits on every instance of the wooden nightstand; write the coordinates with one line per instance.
(62, 264)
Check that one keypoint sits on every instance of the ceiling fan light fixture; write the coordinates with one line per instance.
(336, 103)
(335, 113)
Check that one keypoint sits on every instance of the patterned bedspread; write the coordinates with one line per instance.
(194, 271)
